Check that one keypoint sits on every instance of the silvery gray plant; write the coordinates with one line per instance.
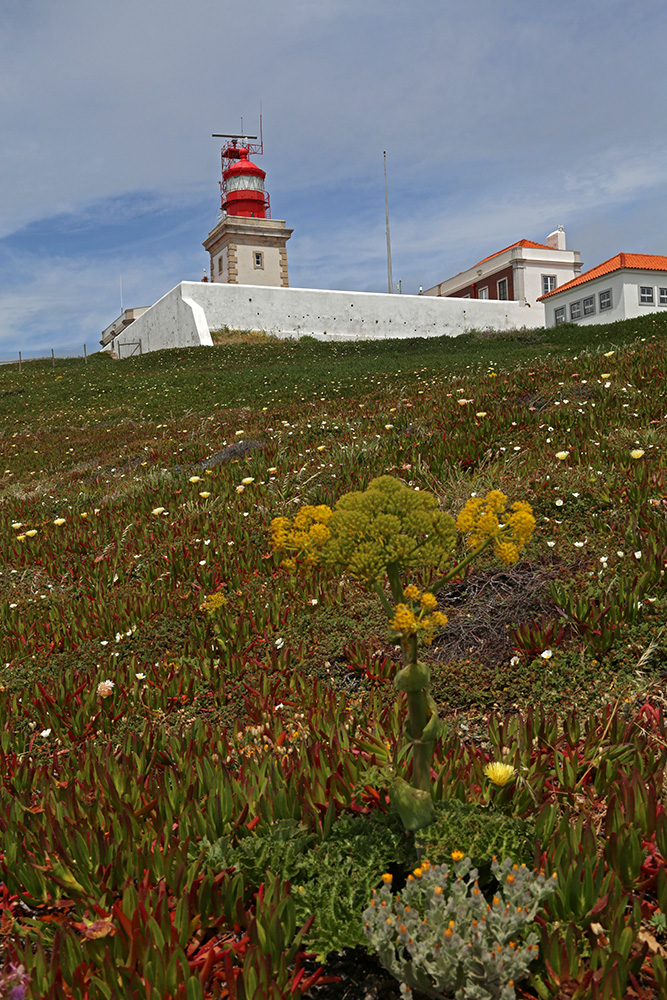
(442, 936)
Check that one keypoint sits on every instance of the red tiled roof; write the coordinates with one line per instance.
(636, 261)
(519, 243)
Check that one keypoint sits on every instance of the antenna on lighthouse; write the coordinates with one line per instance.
(245, 217)
(242, 187)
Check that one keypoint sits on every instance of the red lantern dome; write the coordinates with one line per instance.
(243, 191)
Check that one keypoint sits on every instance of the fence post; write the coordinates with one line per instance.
(53, 358)
(19, 361)
(85, 356)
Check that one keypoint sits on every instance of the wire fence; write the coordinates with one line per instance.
(52, 354)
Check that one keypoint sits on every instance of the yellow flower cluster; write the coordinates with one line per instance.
(487, 517)
(419, 617)
(213, 602)
(302, 539)
(388, 523)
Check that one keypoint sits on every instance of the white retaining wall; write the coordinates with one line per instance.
(186, 315)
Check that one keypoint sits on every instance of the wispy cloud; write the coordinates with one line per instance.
(500, 121)
(73, 300)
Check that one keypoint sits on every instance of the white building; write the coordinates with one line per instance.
(521, 272)
(624, 287)
(126, 318)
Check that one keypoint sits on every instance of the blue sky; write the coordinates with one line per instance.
(500, 121)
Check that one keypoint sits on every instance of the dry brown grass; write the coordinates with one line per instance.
(227, 336)
(483, 609)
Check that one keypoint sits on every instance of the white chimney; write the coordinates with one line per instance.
(556, 240)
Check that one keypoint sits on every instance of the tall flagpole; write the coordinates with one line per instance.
(390, 280)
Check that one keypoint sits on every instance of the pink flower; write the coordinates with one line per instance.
(105, 688)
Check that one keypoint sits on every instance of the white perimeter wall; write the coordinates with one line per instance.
(187, 314)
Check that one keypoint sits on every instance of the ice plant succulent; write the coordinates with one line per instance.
(499, 773)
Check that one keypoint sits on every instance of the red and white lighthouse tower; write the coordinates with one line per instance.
(247, 246)
(242, 186)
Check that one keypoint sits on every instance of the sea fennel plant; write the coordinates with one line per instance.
(380, 537)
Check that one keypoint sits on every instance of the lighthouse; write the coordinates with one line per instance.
(246, 246)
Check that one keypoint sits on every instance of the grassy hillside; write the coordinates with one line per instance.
(168, 384)
(182, 720)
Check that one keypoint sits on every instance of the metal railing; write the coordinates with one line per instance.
(43, 354)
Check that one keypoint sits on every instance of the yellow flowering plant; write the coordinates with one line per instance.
(301, 540)
(380, 535)
(499, 773)
(213, 602)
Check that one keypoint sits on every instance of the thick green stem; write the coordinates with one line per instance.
(421, 758)
(395, 584)
(418, 717)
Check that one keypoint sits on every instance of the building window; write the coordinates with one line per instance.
(220, 259)
(662, 296)
(605, 300)
(646, 295)
(258, 258)
(502, 289)
(589, 305)
(575, 310)
(559, 315)
(483, 293)
(548, 283)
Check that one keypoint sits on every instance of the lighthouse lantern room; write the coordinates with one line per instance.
(246, 246)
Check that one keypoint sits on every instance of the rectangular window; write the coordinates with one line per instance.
(646, 295)
(259, 259)
(219, 265)
(502, 289)
(559, 315)
(575, 310)
(589, 305)
(483, 293)
(663, 296)
(605, 300)
(548, 283)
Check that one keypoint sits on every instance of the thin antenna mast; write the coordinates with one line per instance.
(390, 280)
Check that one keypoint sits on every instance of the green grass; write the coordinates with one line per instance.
(170, 384)
(274, 718)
